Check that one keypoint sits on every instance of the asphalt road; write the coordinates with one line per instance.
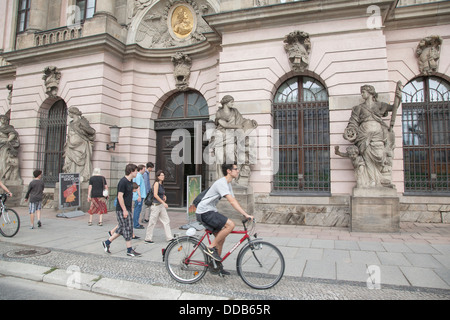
(289, 288)
(12, 288)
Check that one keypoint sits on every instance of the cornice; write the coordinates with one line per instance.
(293, 13)
(8, 71)
(95, 44)
(421, 15)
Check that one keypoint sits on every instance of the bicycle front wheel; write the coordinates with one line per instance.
(260, 264)
(185, 260)
(9, 223)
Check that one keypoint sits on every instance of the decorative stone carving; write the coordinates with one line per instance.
(78, 147)
(374, 140)
(171, 23)
(230, 141)
(9, 152)
(10, 89)
(298, 48)
(140, 5)
(428, 53)
(52, 76)
(182, 63)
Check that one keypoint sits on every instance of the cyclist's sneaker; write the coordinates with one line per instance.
(224, 272)
(105, 247)
(212, 252)
(133, 253)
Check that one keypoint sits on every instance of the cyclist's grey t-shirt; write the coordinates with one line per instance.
(219, 189)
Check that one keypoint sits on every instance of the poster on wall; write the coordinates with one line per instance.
(193, 189)
(69, 190)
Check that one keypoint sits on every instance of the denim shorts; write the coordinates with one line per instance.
(34, 206)
(212, 220)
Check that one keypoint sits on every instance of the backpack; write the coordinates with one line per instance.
(148, 201)
(200, 196)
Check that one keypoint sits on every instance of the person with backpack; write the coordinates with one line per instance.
(209, 216)
(158, 209)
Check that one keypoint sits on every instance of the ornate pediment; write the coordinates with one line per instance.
(169, 24)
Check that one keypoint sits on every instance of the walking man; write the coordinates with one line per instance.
(123, 211)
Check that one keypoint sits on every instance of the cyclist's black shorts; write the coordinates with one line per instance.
(212, 220)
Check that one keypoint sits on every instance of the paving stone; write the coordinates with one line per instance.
(423, 260)
(423, 277)
(366, 257)
(346, 245)
(370, 246)
(395, 247)
(351, 271)
(393, 259)
(320, 269)
(320, 243)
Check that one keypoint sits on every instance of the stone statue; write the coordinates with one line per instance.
(52, 76)
(182, 63)
(373, 138)
(230, 140)
(78, 147)
(428, 53)
(9, 151)
(298, 48)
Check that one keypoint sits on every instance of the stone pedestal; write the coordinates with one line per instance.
(18, 191)
(375, 210)
(244, 195)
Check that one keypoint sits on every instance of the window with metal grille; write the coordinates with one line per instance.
(426, 135)
(301, 114)
(23, 15)
(52, 137)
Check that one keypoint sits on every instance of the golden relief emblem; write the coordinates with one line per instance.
(182, 22)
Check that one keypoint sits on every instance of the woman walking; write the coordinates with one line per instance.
(158, 209)
(96, 195)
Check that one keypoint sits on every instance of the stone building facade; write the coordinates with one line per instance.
(155, 67)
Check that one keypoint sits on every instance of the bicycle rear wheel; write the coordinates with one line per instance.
(260, 264)
(185, 261)
(9, 223)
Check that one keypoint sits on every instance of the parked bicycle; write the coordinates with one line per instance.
(9, 219)
(260, 264)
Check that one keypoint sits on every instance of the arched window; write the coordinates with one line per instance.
(185, 105)
(52, 137)
(301, 114)
(426, 135)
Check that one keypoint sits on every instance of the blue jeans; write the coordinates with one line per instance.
(137, 212)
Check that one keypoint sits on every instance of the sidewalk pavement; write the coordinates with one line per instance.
(417, 256)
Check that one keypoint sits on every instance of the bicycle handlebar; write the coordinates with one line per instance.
(245, 220)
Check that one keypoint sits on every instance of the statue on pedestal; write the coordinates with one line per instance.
(78, 147)
(373, 138)
(9, 152)
(230, 140)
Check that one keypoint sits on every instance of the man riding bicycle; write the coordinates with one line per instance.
(208, 214)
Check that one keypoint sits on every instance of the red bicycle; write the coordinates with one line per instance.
(260, 264)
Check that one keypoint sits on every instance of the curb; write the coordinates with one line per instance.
(74, 279)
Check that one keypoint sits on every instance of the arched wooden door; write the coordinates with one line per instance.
(181, 119)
